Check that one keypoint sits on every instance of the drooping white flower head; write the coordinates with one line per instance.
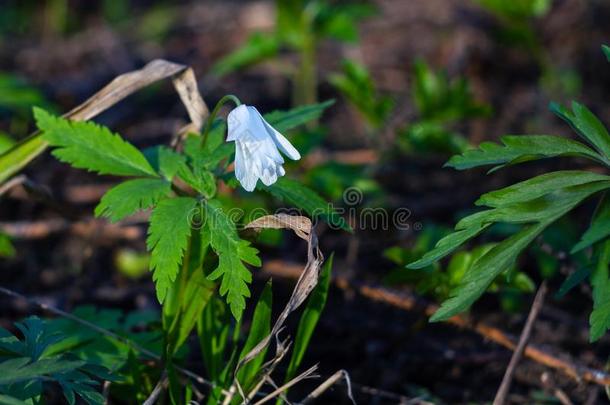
(256, 148)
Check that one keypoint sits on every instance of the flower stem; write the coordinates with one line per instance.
(214, 113)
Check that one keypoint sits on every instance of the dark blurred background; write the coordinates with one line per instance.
(496, 66)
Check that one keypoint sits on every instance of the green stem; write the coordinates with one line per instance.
(212, 117)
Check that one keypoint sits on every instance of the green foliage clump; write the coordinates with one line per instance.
(533, 205)
(27, 364)
(441, 104)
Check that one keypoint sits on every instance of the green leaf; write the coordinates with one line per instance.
(573, 280)
(587, 125)
(215, 150)
(20, 155)
(600, 316)
(164, 160)
(485, 270)
(86, 145)
(538, 186)
(170, 226)
(442, 100)
(357, 85)
(549, 206)
(130, 196)
(231, 252)
(521, 148)
(8, 400)
(6, 246)
(446, 246)
(202, 181)
(295, 193)
(199, 290)
(16, 95)
(599, 229)
(309, 319)
(258, 47)
(606, 51)
(213, 329)
(285, 120)
(259, 329)
(21, 369)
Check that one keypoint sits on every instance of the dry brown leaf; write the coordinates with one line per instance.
(302, 226)
(122, 86)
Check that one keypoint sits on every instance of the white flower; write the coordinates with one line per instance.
(256, 148)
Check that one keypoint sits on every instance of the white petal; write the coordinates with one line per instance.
(269, 173)
(246, 170)
(280, 140)
(237, 123)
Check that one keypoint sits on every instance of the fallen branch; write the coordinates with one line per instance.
(85, 228)
(500, 398)
(401, 300)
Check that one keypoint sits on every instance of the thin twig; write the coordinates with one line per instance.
(409, 302)
(14, 182)
(306, 374)
(561, 396)
(156, 392)
(64, 314)
(332, 380)
(500, 398)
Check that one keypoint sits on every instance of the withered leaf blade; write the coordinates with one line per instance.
(183, 78)
(302, 226)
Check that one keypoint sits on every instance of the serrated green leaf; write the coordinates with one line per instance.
(538, 186)
(285, 120)
(599, 229)
(231, 252)
(304, 198)
(550, 205)
(215, 150)
(170, 226)
(521, 148)
(260, 327)
(20, 369)
(130, 196)
(164, 160)
(86, 145)
(202, 181)
(587, 125)
(446, 246)
(600, 281)
(485, 270)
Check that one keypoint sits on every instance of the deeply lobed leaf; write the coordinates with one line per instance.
(86, 145)
(131, 196)
(232, 253)
(168, 233)
(520, 148)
